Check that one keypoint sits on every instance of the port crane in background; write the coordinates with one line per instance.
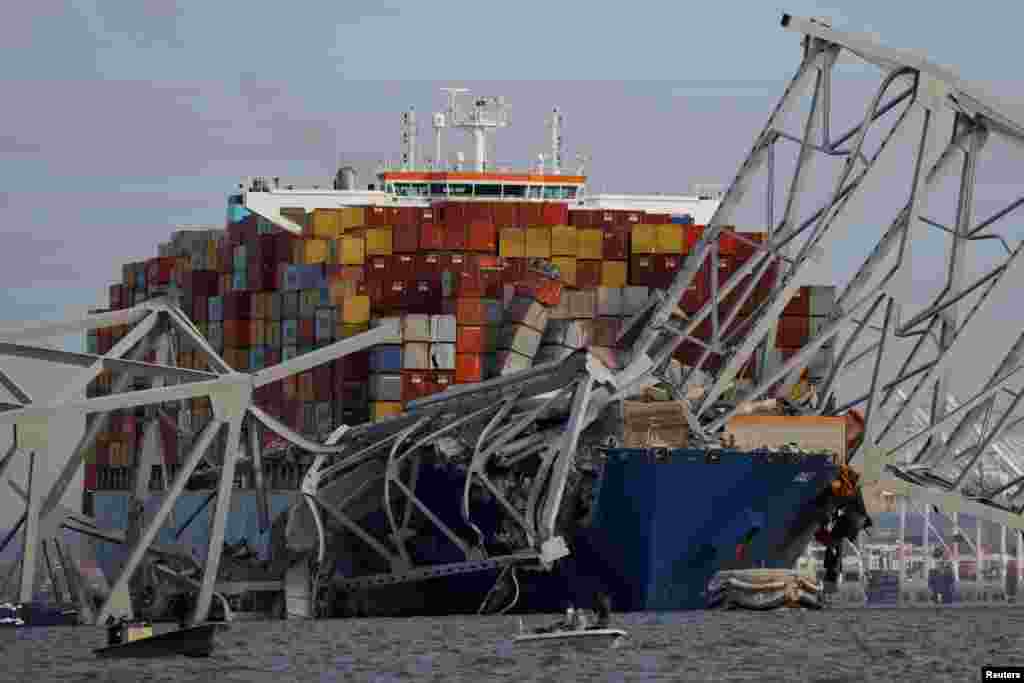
(936, 463)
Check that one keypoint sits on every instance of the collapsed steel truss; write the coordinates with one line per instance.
(539, 415)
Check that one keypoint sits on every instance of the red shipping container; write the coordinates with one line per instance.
(555, 213)
(696, 295)
(406, 238)
(377, 216)
(531, 215)
(239, 333)
(323, 380)
(117, 296)
(455, 236)
(430, 266)
(693, 233)
(544, 290)
(432, 236)
(271, 357)
(450, 212)
(506, 215)
(89, 478)
(616, 243)
(745, 251)
(355, 367)
(380, 269)
(405, 216)
(800, 304)
(262, 279)
(415, 384)
(657, 218)
(478, 211)
(426, 215)
(482, 236)
(440, 380)
(470, 282)
(238, 306)
(103, 452)
(404, 266)
(666, 266)
(293, 413)
(283, 245)
(290, 388)
(427, 298)
(470, 339)
(307, 331)
(793, 331)
(200, 309)
(728, 245)
(630, 218)
(337, 375)
(643, 271)
(205, 282)
(581, 218)
(393, 296)
(160, 270)
(470, 311)
(514, 270)
(468, 368)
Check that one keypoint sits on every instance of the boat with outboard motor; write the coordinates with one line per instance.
(136, 641)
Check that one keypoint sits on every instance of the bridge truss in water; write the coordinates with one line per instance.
(896, 127)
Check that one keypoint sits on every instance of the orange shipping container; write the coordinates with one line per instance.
(483, 237)
(564, 241)
(468, 368)
(379, 242)
(538, 243)
(644, 239)
(590, 243)
(567, 268)
(325, 223)
(614, 274)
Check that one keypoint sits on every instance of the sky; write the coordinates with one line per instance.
(122, 120)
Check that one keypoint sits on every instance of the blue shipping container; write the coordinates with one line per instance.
(216, 309)
(239, 281)
(237, 214)
(257, 358)
(290, 332)
(685, 219)
(386, 358)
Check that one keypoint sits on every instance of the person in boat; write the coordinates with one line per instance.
(602, 610)
(572, 621)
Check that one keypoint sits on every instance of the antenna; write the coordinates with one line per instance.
(409, 139)
(556, 141)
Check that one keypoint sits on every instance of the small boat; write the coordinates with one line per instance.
(196, 641)
(9, 615)
(583, 638)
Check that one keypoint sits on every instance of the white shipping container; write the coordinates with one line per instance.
(396, 325)
(526, 311)
(520, 338)
(579, 334)
(561, 310)
(609, 301)
(442, 329)
(416, 356)
(582, 304)
(416, 328)
(442, 356)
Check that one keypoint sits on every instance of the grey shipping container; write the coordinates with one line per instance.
(289, 305)
(396, 325)
(442, 356)
(520, 338)
(385, 387)
(442, 329)
(416, 356)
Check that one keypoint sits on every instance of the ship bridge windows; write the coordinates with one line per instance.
(515, 191)
(460, 190)
(487, 191)
(439, 189)
(536, 192)
(410, 189)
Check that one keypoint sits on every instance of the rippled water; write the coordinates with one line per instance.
(950, 644)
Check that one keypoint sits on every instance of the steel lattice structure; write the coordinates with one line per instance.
(540, 415)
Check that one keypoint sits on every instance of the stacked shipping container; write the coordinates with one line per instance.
(455, 274)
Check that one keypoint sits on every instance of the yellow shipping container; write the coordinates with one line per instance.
(212, 262)
(513, 243)
(356, 309)
(339, 290)
(670, 239)
(325, 223)
(378, 242)
(644, 239)
(613, 274)
(352, 217)
(563, 240)
(590, 243)
(297, 251)
(567, 267)
(116, 454)
(353, 250)
(314, 251)
(380, 410)
(346, 330)
(538, 243)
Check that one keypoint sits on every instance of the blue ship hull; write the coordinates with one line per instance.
(659, 531)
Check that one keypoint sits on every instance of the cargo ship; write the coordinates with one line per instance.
(447, 248)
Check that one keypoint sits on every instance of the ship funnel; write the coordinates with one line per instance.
(345, 179)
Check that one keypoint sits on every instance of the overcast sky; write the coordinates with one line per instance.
(121, 120)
